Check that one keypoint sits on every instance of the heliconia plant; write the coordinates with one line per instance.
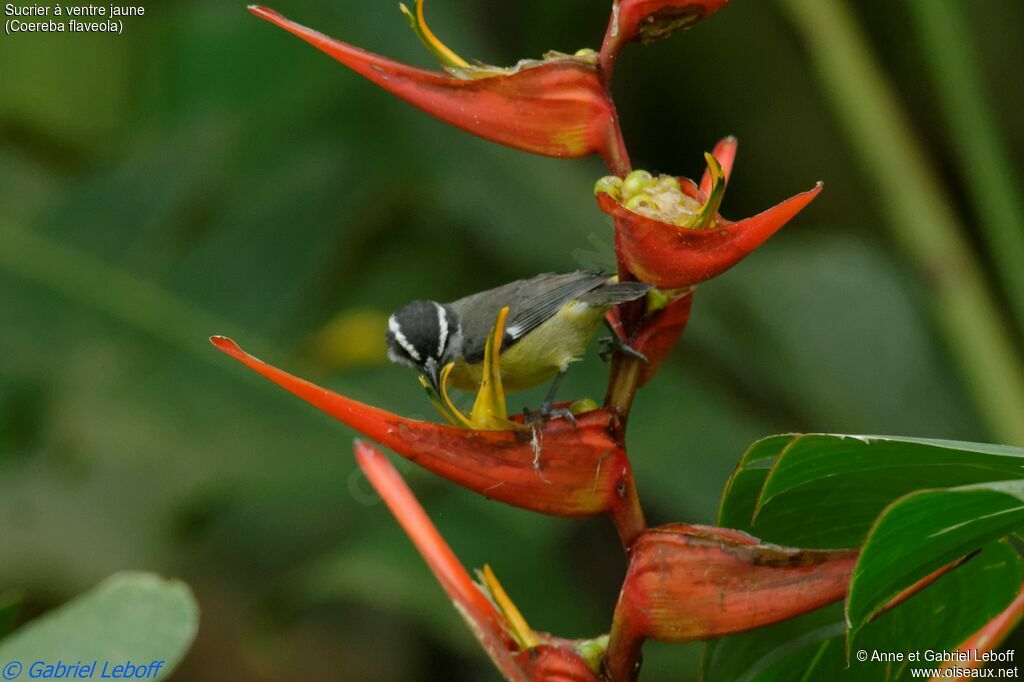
(555, 106)
(668, 231)
(887, 526)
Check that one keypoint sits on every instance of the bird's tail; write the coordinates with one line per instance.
(615, 293)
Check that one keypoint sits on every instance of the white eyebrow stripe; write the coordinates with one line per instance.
(402, 341)
(442, 328)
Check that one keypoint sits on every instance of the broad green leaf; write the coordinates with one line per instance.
(812, 647)
(814, 457)
(739, 500)
(137, 617)
(827, 490)
(759, 654)
(924, 531)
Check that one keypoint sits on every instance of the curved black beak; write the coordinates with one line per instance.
(432, 373)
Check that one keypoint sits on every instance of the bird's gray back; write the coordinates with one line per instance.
(531, 302)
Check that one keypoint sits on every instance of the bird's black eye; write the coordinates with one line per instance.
(420, 330)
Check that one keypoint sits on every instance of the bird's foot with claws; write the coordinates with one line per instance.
(546, 413)
(611, 344)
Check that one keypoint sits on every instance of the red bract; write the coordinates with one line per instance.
(554, 659)
(571, 471)
(480, 614)
(658, 334)
(671, 256)
(546, 663)
(556, 108)
(688, 583)
(650, 20)
(725, 153)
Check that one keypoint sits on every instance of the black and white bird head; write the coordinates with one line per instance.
(425, 335)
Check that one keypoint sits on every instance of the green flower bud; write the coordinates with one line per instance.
(609, 184)
(583, 405)
(642, 201)
(635, 183)
(656, 300)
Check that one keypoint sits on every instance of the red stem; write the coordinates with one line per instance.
(622, 663)
(624, 380)
(628, 515)
(625, 375)
(609, 49)
(615, 156)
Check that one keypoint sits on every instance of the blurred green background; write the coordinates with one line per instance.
(207, 173)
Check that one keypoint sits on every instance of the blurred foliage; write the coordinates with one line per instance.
(206, 173)
(152, 618)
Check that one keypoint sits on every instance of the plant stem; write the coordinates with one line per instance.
(616, 158)
(624, 381)
(609, 47)
(628, 515)
(917, 211)
(624, 651)
(986, 167)
(623, 377)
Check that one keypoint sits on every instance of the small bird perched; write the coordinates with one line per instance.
(551, 320)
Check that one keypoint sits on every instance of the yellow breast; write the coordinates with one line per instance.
(541, 354)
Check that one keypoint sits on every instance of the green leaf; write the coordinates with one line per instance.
(811, 647)
(137, 617)
(826, 491)
(781, 652)
(924, 531)
(739, 501)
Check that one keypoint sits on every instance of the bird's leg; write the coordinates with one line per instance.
(610, 344)
(547, 410)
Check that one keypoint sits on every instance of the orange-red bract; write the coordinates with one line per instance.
(551, 661)
(670, 256)
(687, 583)
(483, 618)
(725, 153)
(650, 20)
(579, 470)
(546, 663)
(558, 108)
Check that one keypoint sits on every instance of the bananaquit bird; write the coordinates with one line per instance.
(550, 322)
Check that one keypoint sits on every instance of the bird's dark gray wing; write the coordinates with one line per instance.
(541, 301)
(531, 302)
(615, 293)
